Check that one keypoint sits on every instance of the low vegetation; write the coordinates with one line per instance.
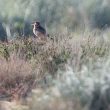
(60, 73)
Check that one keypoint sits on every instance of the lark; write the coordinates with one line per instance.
(38, 30)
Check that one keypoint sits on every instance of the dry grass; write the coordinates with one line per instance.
(27, 63)
(16, 76)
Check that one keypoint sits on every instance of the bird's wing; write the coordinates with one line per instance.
(42, 30)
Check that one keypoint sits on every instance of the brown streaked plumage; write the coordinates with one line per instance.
(38, 30)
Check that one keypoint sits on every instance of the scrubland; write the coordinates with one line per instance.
(69, 71)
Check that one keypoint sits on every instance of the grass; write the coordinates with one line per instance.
(58, 74)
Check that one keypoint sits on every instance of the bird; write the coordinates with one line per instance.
(38, 30)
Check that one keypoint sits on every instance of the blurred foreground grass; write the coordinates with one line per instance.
(69, 72)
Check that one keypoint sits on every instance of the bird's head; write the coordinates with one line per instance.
(36, 24)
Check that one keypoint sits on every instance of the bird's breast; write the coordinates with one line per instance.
(37, 33)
